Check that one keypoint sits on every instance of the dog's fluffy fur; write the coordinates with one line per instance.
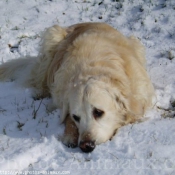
(94, 74)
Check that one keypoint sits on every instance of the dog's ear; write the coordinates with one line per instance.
(123, 105)
(64, 112)
(121, 102)
(130, 108)
(136, 108)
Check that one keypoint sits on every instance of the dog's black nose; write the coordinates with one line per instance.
(87, 146)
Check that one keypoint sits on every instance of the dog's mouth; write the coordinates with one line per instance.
(87, 146)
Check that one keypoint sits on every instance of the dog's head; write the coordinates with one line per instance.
(97, 110)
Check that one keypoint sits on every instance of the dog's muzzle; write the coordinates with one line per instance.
(87, 146)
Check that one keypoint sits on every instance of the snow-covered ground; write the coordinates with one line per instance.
(30, 135)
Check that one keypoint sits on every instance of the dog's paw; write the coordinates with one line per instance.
(70, 141)
(70, 137)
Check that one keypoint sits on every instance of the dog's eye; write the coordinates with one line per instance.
(76, 118)
(97, 113)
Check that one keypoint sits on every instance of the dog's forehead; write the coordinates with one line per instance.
(85, 97)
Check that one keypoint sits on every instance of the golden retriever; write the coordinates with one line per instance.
(94, 74)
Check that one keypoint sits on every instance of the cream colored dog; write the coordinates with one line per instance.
(94, 74)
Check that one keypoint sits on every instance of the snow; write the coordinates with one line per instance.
(30, 135)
